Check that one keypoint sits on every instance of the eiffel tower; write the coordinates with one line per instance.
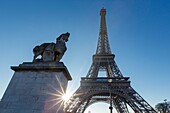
(114, 88)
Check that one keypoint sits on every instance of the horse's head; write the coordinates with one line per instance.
(64, 37)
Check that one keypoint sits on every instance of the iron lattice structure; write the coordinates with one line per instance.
(112, 88)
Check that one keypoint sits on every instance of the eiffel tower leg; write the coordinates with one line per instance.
(71, 105)
(77, 103)
(86, 104)
(120, 106)
(115, 69)
(93, 71)
(138, 104)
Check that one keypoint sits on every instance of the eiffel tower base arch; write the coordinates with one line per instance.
(119, 92)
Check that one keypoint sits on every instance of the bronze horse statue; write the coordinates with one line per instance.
(51, 51)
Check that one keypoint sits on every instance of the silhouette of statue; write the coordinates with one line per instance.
(51, 51)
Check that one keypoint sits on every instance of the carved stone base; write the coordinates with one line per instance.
(36, 88)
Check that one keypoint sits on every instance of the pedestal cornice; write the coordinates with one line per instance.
(43, 66)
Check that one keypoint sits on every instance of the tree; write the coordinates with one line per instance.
(163, 107)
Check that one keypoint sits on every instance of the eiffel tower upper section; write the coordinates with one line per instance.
(103, 59)
(103, 46)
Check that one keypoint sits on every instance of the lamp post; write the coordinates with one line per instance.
(111, 107)
(109, 86)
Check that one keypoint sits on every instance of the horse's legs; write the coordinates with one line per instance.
(35, 56)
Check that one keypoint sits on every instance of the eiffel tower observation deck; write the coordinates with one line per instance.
(114, 88)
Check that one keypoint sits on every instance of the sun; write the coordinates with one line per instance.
(66, 97)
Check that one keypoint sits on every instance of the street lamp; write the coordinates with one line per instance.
(109, 86)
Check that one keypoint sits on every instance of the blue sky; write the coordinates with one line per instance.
(138, 30)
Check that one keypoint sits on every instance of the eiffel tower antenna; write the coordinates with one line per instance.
(114, 88)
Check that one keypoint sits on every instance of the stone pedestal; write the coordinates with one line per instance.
(36, 88)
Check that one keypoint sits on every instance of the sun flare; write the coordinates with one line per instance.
(66, 97)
